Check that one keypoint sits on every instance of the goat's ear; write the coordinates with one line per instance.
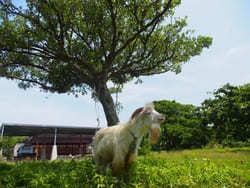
(137, 112)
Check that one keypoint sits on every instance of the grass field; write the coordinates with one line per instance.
(187, 168)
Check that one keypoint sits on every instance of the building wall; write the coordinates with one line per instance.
(66, 145)
(44, 151)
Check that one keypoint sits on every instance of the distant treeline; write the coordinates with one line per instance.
(221, 120)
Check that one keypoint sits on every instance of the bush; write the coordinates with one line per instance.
(233, 143)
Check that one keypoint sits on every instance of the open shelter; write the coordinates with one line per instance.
(50, 141)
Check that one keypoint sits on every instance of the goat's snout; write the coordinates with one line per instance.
(161, 118)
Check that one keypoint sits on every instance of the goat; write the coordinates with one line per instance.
(118, 145)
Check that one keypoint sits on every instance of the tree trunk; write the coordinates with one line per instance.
(107, 102)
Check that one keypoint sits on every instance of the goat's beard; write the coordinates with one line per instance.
(154, 135)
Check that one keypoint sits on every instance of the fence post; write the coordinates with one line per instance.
(54, 148)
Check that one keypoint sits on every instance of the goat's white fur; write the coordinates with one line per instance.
(118, 145)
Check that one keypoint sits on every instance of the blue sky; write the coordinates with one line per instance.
(226, 61)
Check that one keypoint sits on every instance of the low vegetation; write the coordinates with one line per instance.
(186, 168)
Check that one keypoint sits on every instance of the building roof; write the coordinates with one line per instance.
(14, 129)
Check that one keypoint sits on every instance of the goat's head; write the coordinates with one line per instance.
(151, 120)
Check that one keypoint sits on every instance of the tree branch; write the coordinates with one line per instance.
(144, 70)
(155, 20)
(114, 40)
(43, 86)
(24, 64)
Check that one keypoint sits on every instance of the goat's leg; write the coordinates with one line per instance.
(130, 158)
(100, 163)
(102, 169)
(118, 167)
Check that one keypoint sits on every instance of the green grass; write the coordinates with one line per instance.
(228, 167)
(212, 167)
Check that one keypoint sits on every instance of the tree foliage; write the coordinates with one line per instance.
(223, 119)
(229, 113)
(8, 143)
(182, 128)
(68, 46)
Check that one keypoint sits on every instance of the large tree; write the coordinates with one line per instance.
(76, 46)
(229, 113)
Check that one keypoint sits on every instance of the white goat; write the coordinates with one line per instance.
(117, 145)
